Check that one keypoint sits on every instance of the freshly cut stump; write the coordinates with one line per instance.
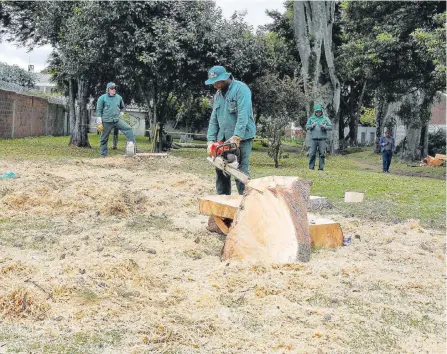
(271, 223)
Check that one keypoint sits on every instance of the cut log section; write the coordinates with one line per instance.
(150, 154)
(441, 157)
(190, 145)
(226, 206)
(353, 197)
(271, 222)
(324, 232)
(433, 161)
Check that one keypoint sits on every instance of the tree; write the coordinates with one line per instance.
(16, 75)
(283, 101)
(379, 39)
(53, 22)
(313, 22)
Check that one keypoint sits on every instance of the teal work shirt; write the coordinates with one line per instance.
(318, 132)
(109, 107)
(232, 114)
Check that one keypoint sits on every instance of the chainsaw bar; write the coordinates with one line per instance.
(220, 163)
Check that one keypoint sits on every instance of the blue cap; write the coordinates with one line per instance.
(110, 85)
(217, 73)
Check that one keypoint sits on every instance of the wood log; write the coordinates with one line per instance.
(324, 232)
(190, 145)
(441, 157)
(226, 206)
(432, 161)
(151, 154)
(271, 222)
(353, 197)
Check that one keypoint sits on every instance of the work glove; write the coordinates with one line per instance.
(235, 140)
(322, 127)
(98, 120)
(208, 148)
(314, 124)
(100, 127)
(121, 114)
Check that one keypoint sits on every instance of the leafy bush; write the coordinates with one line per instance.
(368, 116)
(16, 75)
(436, 142)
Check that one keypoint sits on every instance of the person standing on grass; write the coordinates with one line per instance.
(108, 111)
(318, 125)
(387, 147)
(231, 121)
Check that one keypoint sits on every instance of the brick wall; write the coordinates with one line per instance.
(22, 116)
(438, 112)
(6, 114)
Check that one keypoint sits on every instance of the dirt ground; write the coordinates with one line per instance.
(112, 256)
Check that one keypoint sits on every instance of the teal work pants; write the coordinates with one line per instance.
(223, 183)
(125, 128)
(315, 144)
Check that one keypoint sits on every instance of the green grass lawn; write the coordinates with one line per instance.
(409, 191)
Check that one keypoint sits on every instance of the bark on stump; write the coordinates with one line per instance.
(271, 223)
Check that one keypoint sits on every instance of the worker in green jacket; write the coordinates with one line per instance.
(108, 111)
(317, 126)
(231, 120)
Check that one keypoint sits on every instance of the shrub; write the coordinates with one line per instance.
(436, 142)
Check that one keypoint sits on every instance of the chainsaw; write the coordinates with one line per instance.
(224, 156)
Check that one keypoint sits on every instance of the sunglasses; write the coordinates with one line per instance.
(112, 88)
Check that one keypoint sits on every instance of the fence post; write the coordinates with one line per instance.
(32, 117)
(13, 117)
(46, 118)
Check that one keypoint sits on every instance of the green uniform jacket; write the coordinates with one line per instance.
(232, 114)
(318, 132)
(109, 107)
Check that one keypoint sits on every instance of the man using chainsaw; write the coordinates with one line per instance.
(317, 126)
(231, 122)
(109, 109)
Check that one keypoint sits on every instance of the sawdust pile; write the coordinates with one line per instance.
(112, 256)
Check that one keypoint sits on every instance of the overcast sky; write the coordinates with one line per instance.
(255, 16)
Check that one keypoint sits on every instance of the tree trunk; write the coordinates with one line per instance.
(276, 155)
(413, 137)
(147, 115)
(71, 107)
(154, 103)
(355, 117)
(335, 142)
(79, 136)
(381, 105)
(303, 43)
(313, 32)
(424, 138)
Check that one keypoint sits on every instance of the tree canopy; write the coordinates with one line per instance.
(357, 57)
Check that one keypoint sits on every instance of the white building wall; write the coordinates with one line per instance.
(365, 135)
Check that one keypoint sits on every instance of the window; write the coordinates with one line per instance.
(363, 137)
(371, 137)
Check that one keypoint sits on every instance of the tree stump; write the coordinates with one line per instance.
(271, 223)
